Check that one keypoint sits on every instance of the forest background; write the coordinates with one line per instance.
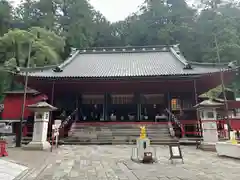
(54, 27)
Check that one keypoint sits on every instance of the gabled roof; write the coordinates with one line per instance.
(120, 62)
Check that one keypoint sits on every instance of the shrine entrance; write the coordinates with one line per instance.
(122, 107)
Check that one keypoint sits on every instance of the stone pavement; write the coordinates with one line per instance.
(10, 170)
(113, 163)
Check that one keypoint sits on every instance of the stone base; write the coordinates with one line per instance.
(208, 146)
(143, 145)
(228, 149)
(42, 146)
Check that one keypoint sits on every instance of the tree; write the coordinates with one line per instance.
(157, 22)
(5, 16)
(46, 13)
(75, 19)
(45, 47)
(221, 26)
(2, 85)
(25, 15)
(103, 34)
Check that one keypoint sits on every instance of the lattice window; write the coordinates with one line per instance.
(92, 99)
(122, 98)
(176, 104)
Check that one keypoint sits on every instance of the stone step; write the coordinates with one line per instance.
(137, 128)
(159, 142)
(138, 132)
(122, 132)
(102, 139)
(117, 134)
(117, 129)
(124, 124)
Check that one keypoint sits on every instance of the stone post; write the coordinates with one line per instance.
(208, 116)
(41, 118)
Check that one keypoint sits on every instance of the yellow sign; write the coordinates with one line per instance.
(233, 137)
(143, 132)
(234, 141)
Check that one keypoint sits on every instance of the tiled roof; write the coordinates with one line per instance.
(29, 91)
(125, 62)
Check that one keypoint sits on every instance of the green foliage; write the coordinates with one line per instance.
(55, 26)
(5, 16)
(4, 84)
(45, 47)
(156, 22)
(214, 93)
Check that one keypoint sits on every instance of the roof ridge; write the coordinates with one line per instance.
(178, 56)
(69, 60)
(125, 49)
(62, 65)
(208, 64)
(119, 47)
(177, 53)
(23, 69)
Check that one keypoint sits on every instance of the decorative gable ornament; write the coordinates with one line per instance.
(188, 66)
(57, 69)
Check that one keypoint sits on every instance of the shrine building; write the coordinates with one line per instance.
(127, 83)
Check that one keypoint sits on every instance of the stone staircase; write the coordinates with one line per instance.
(117, 134)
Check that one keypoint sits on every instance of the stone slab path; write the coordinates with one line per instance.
(10, 170)
(113, 163)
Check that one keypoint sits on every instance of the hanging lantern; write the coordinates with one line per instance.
(174, 104)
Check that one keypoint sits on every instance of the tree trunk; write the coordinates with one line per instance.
(17, 54)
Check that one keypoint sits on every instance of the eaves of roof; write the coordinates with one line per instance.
(125, 62)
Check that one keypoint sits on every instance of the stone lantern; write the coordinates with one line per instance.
(208, 115)
(41, 118)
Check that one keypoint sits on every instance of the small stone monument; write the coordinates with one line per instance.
(143, 152)
(208, 115)
(41, 119)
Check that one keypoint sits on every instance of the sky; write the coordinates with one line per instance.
(114, 10)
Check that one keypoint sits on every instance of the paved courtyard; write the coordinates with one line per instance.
(113, 163)
(10, 170)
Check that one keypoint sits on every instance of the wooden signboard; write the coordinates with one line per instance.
(175, 152)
